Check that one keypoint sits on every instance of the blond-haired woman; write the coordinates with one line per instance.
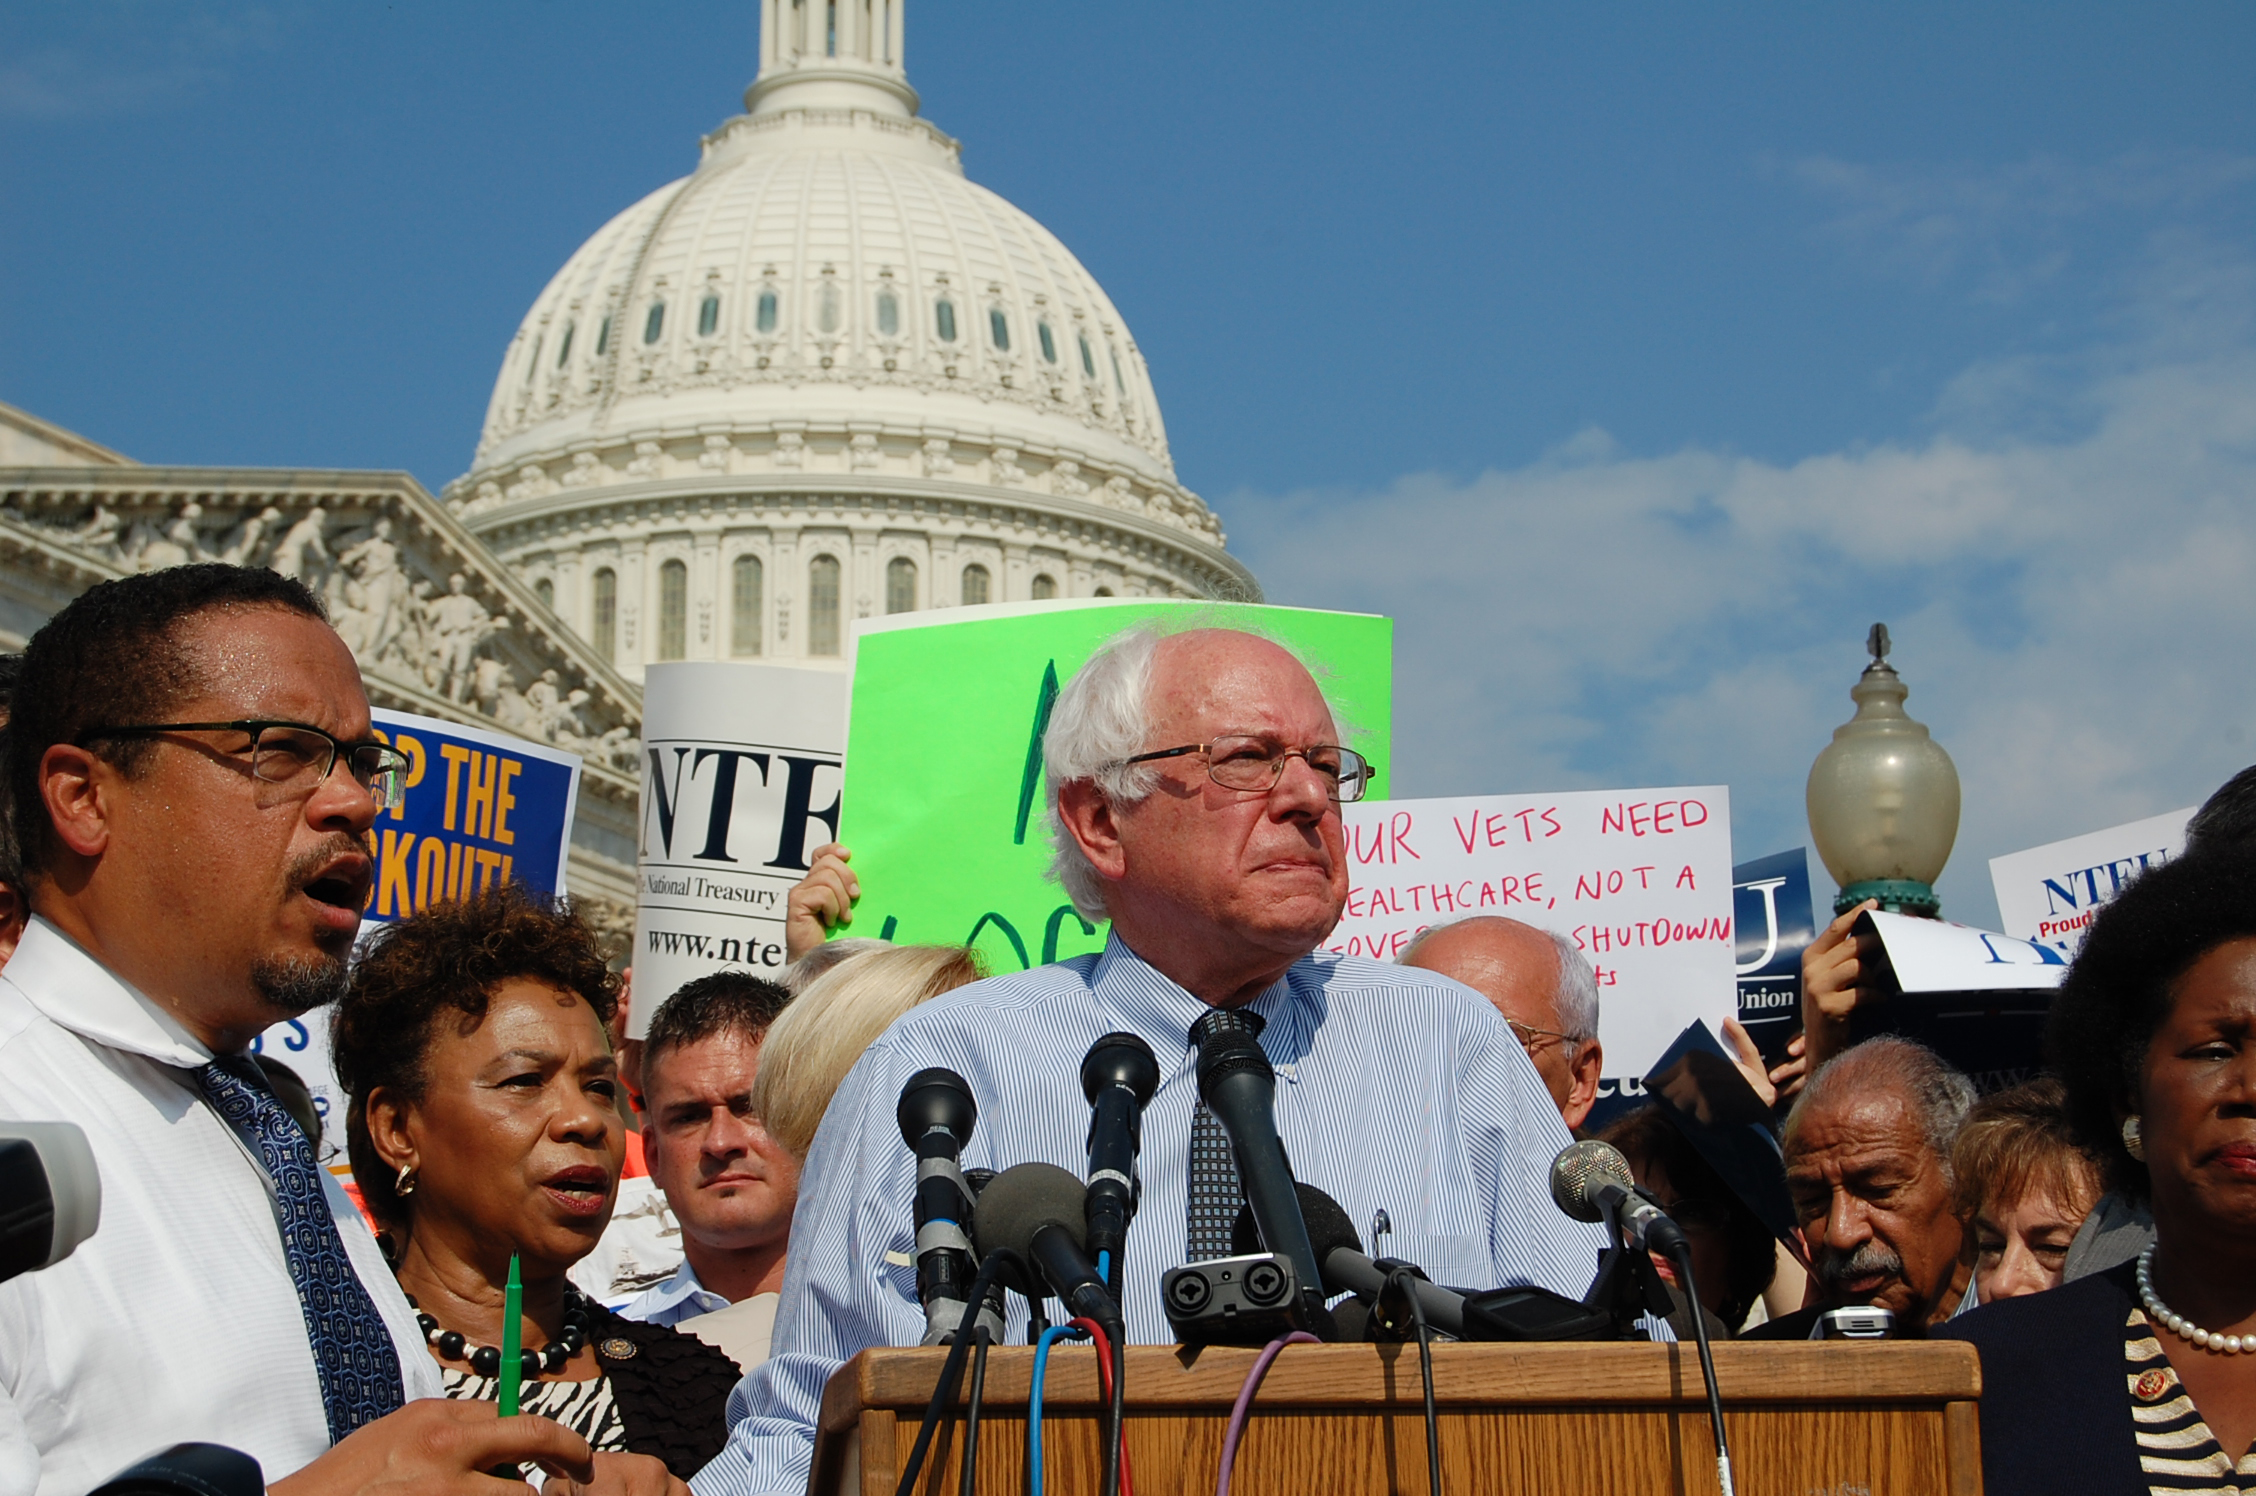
(823, 1032)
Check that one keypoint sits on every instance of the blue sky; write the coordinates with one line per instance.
(1635, 358)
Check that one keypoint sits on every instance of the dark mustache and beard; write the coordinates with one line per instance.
(296, 984)
(1866, 1261)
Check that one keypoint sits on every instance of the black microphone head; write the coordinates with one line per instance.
(936, 1099)
(1227, 1055)
(1581, 1170)
(1327, 1222)
(53, 1192)
(1120, 1060)
(1022, 1200)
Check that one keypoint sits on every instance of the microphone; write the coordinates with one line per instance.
(1118, 1075)
(937, 1115)
(52, 1194)
(1240, 1088)
(1589, 1179)
(1521, 1313)
(1035, 1213)
(1345, 1267)
(189, 1470)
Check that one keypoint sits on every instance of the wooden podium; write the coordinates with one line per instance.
(1827, 1419)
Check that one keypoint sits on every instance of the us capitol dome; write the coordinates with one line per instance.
(821, 377)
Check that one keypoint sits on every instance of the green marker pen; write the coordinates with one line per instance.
(512, 1367)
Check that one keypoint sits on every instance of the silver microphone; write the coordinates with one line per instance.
(1589, 1177)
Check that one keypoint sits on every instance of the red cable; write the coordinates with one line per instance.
(1104, 1385)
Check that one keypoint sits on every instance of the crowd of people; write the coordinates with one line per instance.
(695, 1229)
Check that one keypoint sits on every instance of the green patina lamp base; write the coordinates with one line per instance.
(1896, 895)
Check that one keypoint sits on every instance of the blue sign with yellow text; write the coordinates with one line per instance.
(481, 809)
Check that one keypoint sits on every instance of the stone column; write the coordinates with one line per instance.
(787, 591)
(707, 604)
(634, 624)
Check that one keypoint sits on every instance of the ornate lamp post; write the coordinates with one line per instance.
(1883, 798)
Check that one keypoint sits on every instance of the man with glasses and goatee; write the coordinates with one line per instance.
(1194, 786)
(191, 771)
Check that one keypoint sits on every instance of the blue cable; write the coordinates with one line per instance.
(1034, 1401)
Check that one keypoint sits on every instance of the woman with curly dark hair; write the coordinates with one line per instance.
(2143, 1378)
(485, 1123)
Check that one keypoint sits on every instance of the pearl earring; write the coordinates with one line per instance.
(2133, 1143)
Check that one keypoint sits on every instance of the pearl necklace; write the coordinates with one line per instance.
(2177, 1324)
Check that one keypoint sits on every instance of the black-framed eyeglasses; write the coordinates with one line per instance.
(1242, 762)
(292, 754)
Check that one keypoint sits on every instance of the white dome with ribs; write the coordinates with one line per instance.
(823, 374)
(828, 276)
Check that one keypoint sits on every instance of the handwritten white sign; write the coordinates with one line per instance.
(1640, 880)
(2050, 893)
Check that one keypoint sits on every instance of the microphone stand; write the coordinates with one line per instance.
(1627, 1285)
(1682, 1257)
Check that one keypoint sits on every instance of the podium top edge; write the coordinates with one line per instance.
(1465, 1375)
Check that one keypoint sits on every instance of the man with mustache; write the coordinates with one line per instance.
(1868, 1148)
(190, 772)
(1194, 785)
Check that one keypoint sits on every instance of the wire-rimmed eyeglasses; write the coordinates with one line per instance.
(292, 754)
(1529, 1035)
(1243, 762)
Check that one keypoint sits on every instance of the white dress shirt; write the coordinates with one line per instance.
(1396, 1089)
(177, 1320)
(678, 1298)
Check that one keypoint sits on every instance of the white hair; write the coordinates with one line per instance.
(1936, 1092)
(1578, 991)
(1576, 995)
(1101, 719)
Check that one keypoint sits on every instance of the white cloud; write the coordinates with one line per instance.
(2068, 563)
(2008, 226)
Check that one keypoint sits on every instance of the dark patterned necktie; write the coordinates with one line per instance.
(1214, 1196)
(352, 1349)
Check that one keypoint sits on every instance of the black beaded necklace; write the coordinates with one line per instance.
(485, 1360)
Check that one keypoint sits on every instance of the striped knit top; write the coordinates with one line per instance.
(585, 1407)
(2176, 1449)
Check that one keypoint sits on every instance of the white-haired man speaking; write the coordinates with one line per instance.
(1194, 788)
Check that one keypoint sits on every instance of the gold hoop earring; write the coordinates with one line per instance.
(405, 1184)
(2133, 1142)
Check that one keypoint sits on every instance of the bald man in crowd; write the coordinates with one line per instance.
(1542, 985)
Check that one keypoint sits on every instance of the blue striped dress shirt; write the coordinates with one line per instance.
(1396, 1089)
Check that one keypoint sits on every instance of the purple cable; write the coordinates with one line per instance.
(1244, 1404)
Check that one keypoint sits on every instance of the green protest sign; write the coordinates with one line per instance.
(942, 802)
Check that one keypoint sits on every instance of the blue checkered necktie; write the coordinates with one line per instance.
(352, 1349)
(1214, 1196)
